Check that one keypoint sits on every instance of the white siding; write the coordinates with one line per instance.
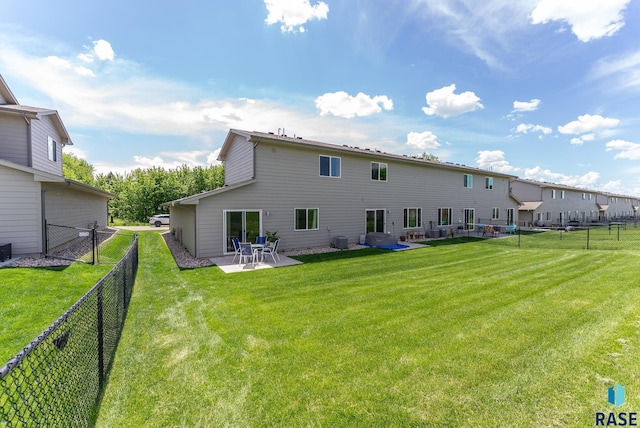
(41, 130)
(13, 139)
(20, 211)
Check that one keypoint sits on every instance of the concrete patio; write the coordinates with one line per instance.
(227, 264)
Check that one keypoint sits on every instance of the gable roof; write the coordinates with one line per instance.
(256, 137)
(9, 104)
(195, 199)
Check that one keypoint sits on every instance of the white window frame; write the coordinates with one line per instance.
(449, 214)
(467, 181)
(488, 183)
(380, 166)
(52, 150)
(306, 210)
(418, 217)
(495, 213)
(553, 193)
(331, 166)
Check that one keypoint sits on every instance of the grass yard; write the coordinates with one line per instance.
(469, 334)
(31, 299)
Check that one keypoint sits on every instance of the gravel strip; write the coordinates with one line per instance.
(183, 259)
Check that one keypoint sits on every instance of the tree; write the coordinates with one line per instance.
(77, 169)
(429, 156)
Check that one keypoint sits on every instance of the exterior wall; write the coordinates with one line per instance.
(13, 139)
(620, 207)
(183, 223)
(41, 130)
(288, 178)
(20, 211)
(239, 161)
(69, 207)
(525, 191)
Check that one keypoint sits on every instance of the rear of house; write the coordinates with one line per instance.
(311, 192)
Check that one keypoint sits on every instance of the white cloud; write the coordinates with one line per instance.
(625, 69)
(422, 140)
(293, 14)
(578, 141)
(588, 123)
(627, 149)
(445, 103)
(494, 160)
(525, 128)
(589, 19)
(344, 105)
(522, 106)
(103, 50)
(588, 180)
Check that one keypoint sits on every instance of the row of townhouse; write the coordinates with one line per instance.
(549, 204)
(33, 188)
(311, 192)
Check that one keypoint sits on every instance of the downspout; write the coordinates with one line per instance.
(29, 148)
(254, 158)
(44, 216)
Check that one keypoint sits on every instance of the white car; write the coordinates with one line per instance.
(159, 220)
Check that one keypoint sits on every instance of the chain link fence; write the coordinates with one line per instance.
(613, 236)
(87, 245)
(57, 379)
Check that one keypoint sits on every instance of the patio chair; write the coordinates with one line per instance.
(247, 252)
(236, 248)
(273, 250)
(510, 229)
(261, 240)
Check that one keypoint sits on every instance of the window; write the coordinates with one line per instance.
(412, 217)
(468, 181)
(549, 216)
(53, 150)
(553, 193)
(329, 166)
(584, 196)
(562, 194)
(379, 171)
(511, 216)
(444, 216)
(495, 213)
(306, 219)
(488, 183)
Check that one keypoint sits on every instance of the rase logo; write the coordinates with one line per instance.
(615, 396)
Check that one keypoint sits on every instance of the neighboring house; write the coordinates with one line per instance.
(310, 192)
(550, 204)
(33, 188)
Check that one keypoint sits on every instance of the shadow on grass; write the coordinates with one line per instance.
(339, 255)
(452, 241)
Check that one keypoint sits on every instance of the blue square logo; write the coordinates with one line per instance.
(616, 395)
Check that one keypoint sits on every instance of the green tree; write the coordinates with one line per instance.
(77, 169)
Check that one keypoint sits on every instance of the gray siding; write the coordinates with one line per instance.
(288, 178)
(239, 161)
(13, 139)
(20, 211)
(183, 220)
(69, 207)
(40, 132)
(525, 191)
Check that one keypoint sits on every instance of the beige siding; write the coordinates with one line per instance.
(68, 207)
(20, 211)
(183, 224)
(13, 139)
(41, 130)
(239, 161)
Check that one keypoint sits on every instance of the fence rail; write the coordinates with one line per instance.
(57, 379)
(87, 245)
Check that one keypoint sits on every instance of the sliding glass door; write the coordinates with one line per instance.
(375, 220)
(244, 225)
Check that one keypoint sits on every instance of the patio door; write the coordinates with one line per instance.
(244, 225)
(375, 220)
(469, 218)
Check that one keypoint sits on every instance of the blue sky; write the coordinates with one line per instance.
(542, 89)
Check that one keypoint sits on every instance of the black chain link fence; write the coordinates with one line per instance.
(613, 236)
(87, 245)
(57, 379)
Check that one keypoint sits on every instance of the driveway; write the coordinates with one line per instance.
(142, 228)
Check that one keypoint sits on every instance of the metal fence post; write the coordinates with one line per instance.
(588, 235)
(100, 341)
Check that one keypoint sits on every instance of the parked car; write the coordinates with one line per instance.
(159, 220)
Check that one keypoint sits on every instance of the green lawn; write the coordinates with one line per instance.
(31, 299)
(469, 334)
